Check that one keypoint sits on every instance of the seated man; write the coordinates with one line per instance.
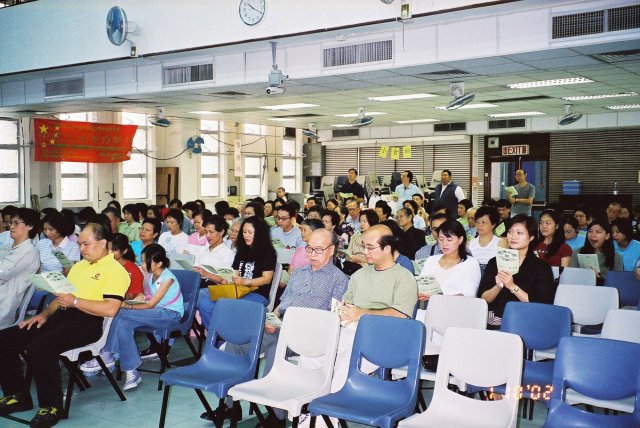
(381, 288)
(285, 231)
(311, 286)
(70, 321)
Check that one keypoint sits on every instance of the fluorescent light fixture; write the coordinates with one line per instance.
(405, 122)
(289, 106)
(623, 107)
(342, 125)
(470, 106)
(280, 119)
(517, 114)
(599, 97)
(552, 82)
(204, 112)
(401, 97)
(369, 113)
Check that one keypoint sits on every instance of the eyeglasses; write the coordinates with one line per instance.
(14, 223)
(371, 247)
(282, 218)
(318, 251)
(353, 209)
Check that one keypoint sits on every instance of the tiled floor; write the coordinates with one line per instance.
(99, 406)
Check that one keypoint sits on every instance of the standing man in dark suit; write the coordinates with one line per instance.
(448, 193)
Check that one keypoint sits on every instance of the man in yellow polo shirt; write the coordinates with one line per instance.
(70, 321)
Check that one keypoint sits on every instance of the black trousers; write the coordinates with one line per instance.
(63, 331)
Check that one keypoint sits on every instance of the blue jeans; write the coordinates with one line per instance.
(205, 305)
(121, 339)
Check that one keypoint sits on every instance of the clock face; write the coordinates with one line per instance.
(252, 11)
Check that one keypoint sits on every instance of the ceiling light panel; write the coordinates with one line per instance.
(552, 82)
(369, 113)
(202, 112)
(599, 97)
(280, 119)
(289, 106)
(406, 122)
(469, 106)
(402, 97)
(517, 114)
(623, 107)
(342, 125)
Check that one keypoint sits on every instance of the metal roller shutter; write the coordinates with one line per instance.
(339, 160)
(457, 159)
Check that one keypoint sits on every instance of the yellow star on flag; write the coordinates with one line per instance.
(57, 128)
(43, 129)
(52, 141)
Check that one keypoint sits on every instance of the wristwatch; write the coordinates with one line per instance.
(515, 290)
(75, 302)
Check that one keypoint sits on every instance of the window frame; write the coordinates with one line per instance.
(206, 132)
(21, 167)
(89, 117)
(136, 150)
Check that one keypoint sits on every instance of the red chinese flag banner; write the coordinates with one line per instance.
(66, 141)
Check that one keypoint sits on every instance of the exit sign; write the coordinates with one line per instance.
(516, 150)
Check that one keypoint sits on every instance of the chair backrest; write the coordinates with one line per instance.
(94, 347)
(602, 369)
(541, 326)
(275, 282)
(389, 343)
(328, 180)
(621, 324)
(310, 333)
(589, 305)
(452, 311)
(461, 356)
(386, 180)
(22, 309)
(577, 276)
(556, 272)
(435, 179)
(189, 286)
(239, 322)
(627, 284)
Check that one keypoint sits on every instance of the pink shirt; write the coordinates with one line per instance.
(195, 239)
(299, 258)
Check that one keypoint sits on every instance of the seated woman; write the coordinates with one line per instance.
(551, 247)
(174, 240)
(231, 240)
(418, 222)
(344, 228)
(419, 199)
(583, 216)
(355, 258)
(130, 226)
(149, 232)
(17, 263)
(163, 310)
(485, 246)
(332, 204)
(70, 321)
(463, 207)
(383, 210)
(624, 244)
(57, 229)
(533, 282)
(571, 236)
(411, 239)
(599, 242)
(121, 249)
(199, 237)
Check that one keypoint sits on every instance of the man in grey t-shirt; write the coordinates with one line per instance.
(522, 201)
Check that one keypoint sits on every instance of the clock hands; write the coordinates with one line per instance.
(251, 6)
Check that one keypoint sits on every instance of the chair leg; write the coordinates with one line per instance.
(525, 405)
(67, 400)
(327, 421)
(163, 409)
(341, 422)
(164, 362)
(110, 378)
(295, 422)
(219, 421)
(261, 420)
(312, 422)
(531, 408)
(205, 403)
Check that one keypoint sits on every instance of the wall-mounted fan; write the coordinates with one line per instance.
(459, 97)
(194, 145)
(312, 132)
(160, 119)
(117, 25)
(362, 119)
(569, 116)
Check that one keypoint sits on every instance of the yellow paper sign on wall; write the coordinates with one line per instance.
(406, 152)
(384, 151)
(395, 153)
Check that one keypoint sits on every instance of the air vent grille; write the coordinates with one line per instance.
(64, 88)
(181, 75)
(618, 56)
(349, 132)
(508, 123)
(596, 22)
(358, 54)
(446, 74)
(450, 127)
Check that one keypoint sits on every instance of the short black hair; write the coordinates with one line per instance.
(85, 214)
(155, 252)
(491, 212)
(176, 202)
(409, 174)
(120, 243)
(503, 203)
(133, 210)
(155, 222)
(466, 203)
(218, 222)
(176, 214)
(353, 169)
(30, 218)
(289, 208)
(335, 218)
(372, 217)
(221, 207)
(447, 171)
(58, 221)
(316, 208)
(413, 204)
(386, 209)
(258, 208)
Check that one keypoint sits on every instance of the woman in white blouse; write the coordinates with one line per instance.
(485, 246)
(174, 240)
(456, 272)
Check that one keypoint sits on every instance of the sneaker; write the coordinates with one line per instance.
(148, 353)
(132, 379)
(46, 417)
(15, 403)
(230, 413)
(92, 366)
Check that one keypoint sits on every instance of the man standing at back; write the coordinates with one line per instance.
(382, 288)
(406, 189)
(521, 202)
(353, 187)
(448, 193)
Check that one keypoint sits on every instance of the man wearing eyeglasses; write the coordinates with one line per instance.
(353, 218)
(285, 231)
(382, 288)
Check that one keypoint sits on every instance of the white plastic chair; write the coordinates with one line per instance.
(464, 355)
(284, 255)
(275, 283)
(310, 333)
(577, 276)
(70, 359)
(620, 324)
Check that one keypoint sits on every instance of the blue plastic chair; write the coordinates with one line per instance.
(236, 321)
(627, 284)
(189, 286)
(388, 343)
(598, 368)
(541, 326)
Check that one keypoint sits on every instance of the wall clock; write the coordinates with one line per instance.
(252, 11)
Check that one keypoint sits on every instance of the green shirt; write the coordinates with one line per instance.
(132, 231)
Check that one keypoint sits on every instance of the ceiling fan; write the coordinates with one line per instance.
(569, 116)
(362, 119)
(160, 119)
(459, 97)
(312, 132)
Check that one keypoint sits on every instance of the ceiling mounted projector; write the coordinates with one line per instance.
(459, 97)
(362, 120)
(160, 120)
(569, 117)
